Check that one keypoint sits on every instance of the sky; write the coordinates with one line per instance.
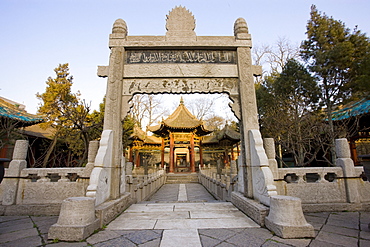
(38, 35)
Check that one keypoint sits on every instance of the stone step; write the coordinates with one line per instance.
(182, 178)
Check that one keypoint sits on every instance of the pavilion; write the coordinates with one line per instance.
(183, 142)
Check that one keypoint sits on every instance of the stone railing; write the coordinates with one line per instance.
(52, 185)
(40, 190)
(320, 188)
(327, 188)
(142, 187)
(312, 185)
(220, 185)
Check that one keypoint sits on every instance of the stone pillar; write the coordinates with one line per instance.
(247, 100)
(233, 171)
(128, 168)
(269, 145)
(17, 164)
(113, 116)
(346, 163)
(286, 218)
(76, 220)
(219, 169)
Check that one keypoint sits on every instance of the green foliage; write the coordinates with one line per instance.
(339, 59)
(69, 117)
(128, 129)
(287, 103)
(336, 56)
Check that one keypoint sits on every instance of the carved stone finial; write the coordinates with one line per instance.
(181, 101)
(180, 24)
(120, 28)
(241, 29)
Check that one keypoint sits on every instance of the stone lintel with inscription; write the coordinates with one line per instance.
(180, 56)
(176, 85)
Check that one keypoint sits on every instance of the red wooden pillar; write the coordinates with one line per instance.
(137, 158)
(192, 154)
(131, 158)
(232, 153)
(352, 146)
(201, 154)
(162, 153)
(226, 157)
(172, 147)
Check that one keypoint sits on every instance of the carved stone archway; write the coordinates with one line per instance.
(182, 62)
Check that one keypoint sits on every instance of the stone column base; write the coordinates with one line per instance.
(72, 233)
(76, 220)
(286, 218)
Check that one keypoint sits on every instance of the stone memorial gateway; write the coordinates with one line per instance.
(182, 62)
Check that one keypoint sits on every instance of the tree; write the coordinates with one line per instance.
(334, 55)
(147, 109)
(215, 123)
(298, 94)
(66, 114)
(273, 57)
(56, 99)
(288, 105)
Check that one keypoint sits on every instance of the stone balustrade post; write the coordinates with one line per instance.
(269, 145)
(346, 163)
(17, 164)
(233, 169)
(63, 177)
(92, 152)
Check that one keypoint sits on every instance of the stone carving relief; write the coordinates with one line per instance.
(174, 85)
(263, 180)
(99, 186)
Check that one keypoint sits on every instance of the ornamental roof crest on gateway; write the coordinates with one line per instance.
(180, 22)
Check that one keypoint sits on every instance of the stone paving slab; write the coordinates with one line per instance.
(150, 208)
(205, 223)
(216, 214)
(221, 206)
(127, 224)
(333, 228)
(156, 215)
(337, 239)
(181, 237)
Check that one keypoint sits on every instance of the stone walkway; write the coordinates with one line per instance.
(187, 215)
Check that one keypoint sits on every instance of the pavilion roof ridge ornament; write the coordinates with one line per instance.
(180, 25)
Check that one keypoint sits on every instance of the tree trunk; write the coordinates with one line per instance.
(49, 152)
(86, 140)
